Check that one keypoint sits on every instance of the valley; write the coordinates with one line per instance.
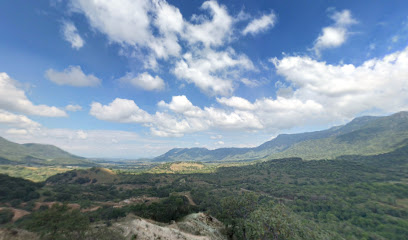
(361, 194)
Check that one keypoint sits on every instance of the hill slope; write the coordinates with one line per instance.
(36, 154)
(362, 136)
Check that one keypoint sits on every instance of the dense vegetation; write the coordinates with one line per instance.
(16, 190)
(347, 197)
(353, 197)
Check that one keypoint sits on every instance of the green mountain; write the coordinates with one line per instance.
(37, 154)
(363, 136)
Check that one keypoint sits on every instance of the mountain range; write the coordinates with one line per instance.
(362, 136)
(37, 154)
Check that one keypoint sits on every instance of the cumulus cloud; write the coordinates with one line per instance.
(144, 81)
(73, 108)
(72, 76)
(156, 30)
(120, 110)
(263, 114)
(183, 118)
(180, 104)
(17, 121)
(124, 21)
(320, 93)
(210, 32)
(130, 23)
(236, 102)
(71, 35)
(260, 24)
(346, 90)
(335, 35)
(14, 99)
(212, 71)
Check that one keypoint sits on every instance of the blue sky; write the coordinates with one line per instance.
(135, 78)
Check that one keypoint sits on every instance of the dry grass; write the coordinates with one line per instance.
(184, 166)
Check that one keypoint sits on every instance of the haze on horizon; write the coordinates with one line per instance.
(137, 78)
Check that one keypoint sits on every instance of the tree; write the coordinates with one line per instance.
(235, 210)
(6, 215)
(59, 222)
(275, 221)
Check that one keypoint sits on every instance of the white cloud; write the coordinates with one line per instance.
(12, 98)
(82, 135)
(17, 121)
(335, 35)
(260, 24)
(156, 25)
(320, 93)
(236, 102)
(170, 23)
(71, 35)
(212, 71)
(144, 81)
(14, 131)
(123, 21)
(72, 76)
(73, 108)
(153, 30)
(343, 18)
(250, 82)
(183, 118)
(214, 32)
(180, 104)
(216, 136)
(130, 23)
(346, 90)
(120, 110)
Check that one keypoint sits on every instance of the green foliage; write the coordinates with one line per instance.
(236, 208)
(6, 215)
(58, 222)
(362, 136)
(350, 197)
(35, 174)
(17, 189)
(275, 221)
(171, 208)
(247, 217)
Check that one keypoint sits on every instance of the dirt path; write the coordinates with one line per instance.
(18, 213)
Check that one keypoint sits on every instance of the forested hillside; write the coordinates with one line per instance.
(351, 197)
(36, 154)
(362, 136)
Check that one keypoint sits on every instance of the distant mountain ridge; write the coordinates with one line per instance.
(365, 135)
(36, 154)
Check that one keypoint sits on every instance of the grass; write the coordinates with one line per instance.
(35, 174)
(191, 167)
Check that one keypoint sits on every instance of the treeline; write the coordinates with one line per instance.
(353, 197)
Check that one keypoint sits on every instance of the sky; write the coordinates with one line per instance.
(135, 78)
